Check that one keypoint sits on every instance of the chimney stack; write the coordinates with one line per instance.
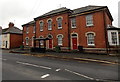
(11, 25)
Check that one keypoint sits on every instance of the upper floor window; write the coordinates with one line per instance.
(59, 22)
(27, 29)
(89, 20)
(60, 39)
(114, 37)
(41, 25)
(90, 39)
(73, 22)
(49, 24)
(34, 29)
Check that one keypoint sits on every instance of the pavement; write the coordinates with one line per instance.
(99, 58)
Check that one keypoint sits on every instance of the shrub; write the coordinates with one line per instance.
(57, 49)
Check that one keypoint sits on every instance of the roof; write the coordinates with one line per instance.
(54, 12)
(77, 11)
(86, 8)
(29, 23)
(14, 30)
(90, 8)
(112, 28)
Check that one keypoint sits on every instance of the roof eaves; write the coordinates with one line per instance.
(29, 23)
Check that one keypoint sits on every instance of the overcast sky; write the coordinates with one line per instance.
(23, 11)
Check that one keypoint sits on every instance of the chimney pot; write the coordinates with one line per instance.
(11, 24)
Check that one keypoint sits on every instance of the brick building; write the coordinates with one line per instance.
(28, 34)
(11, 37)
(86, 26)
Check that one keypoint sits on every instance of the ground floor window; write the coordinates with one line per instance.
(60, 39)
(90, 39)
(114, 37)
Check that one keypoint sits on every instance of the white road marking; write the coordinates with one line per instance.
(80, 74)
(3, 59)
(44, 76)
(97, 60)
(33, 65)
(57, 70)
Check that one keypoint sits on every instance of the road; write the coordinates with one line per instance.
(23, 67)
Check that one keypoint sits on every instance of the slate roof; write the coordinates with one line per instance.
(87, 8)
(76, 11)
(29, 23)
(54, 12)
(90, 8)
(14, 30)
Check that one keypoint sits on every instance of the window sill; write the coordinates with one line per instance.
(41, 30)
(91, 45)
(49, 29)
(73, 27)
(59, 27)
(59, 44)
(91, 25)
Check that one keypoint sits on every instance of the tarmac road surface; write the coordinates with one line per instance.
(22, 67)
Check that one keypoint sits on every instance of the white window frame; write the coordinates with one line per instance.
(110, 37)
(60, 40)
(114, 38)
(89, 20)
(89, 38)
(41, 26)
(59, 22)
(49, 24)
(73, 22)
(50, 35)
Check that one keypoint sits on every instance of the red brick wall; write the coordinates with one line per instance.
(30, 34)
(55, 31)
(107, 19)
(15, 40)
(98, 28)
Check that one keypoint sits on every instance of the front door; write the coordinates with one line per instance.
(74, 43)
(50, 43)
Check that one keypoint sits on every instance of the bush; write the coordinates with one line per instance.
(57, 49)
